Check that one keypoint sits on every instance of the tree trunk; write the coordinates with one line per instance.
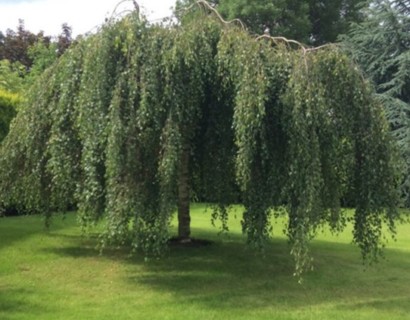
(184, 219)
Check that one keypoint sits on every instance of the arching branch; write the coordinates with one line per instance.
(277, 40)
(114, 13)
(205, 5)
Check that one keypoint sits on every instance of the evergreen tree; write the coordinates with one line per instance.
(332, 18)
(381, 45)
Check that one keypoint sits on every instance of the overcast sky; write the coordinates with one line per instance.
(81, 15)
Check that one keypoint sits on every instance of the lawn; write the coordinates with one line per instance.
(58, 274)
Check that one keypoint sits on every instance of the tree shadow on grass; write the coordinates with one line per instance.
(14, 229)
(228, 275)
(233, 278)
(14, 304)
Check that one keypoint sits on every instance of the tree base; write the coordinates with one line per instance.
(189, 242)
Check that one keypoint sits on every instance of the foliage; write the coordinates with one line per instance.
(64, 39)
(311, 21)
(381, 45)
(14, 44)
(14, 79)
(332, 18)
(131, 118)
(11, 76)
(43, 55)
(287, 18)
(8, 106)
(25, 55)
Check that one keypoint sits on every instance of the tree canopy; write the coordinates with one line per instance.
(133, 120)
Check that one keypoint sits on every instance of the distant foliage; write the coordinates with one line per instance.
(310, 21)
(16, 46)
(288, 18)
(25, 55)
(381, 45)
(276, 124)
(332, 18)
(8, 105)
(11, 76)
(43, 55)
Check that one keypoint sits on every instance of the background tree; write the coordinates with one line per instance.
(25, 55)
(329, 19)
(14, 44)
(29, 56)
(130, 119)
(285, 18)
(64, 39)
(43, 55)
(12, 76)
(310, 21)
(11, 84)
(8, 105)
(381, 45)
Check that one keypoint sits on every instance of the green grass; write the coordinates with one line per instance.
(59, 275)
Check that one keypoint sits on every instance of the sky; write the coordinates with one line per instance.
(82, 15)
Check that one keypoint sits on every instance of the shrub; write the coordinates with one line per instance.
(8, 105)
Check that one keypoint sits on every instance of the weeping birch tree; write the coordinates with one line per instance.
(131, 121)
